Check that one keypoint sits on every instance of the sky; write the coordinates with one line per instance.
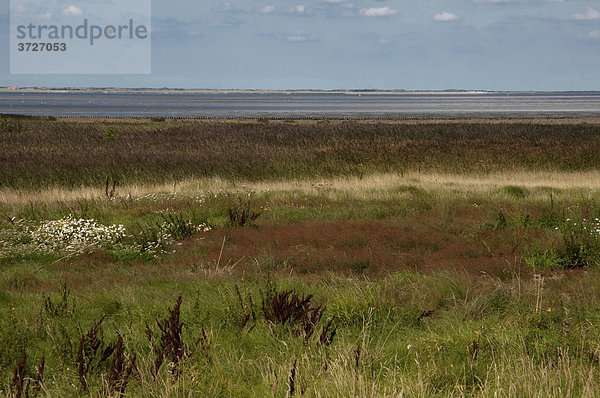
(356, 44)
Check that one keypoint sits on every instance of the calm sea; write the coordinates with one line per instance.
(296, 105)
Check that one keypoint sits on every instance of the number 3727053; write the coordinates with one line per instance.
(39, 47)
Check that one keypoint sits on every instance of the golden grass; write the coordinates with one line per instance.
(372, 187)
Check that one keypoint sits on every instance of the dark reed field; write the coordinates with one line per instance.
(182, 258)
(41, 152)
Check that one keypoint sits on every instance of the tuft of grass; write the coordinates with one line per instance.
(515, 192)
(109, 135)
(540, 260)
(500, 222)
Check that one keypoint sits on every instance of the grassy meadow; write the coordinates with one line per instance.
(183, 258)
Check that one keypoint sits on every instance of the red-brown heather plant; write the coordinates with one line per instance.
(170, 346)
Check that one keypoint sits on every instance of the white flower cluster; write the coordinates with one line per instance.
(595, 226)
(159, 197)
(72, 234)
(202, 228)
(156, 245)
(591, 226)
(164, 237)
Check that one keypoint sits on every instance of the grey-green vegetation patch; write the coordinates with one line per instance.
(515, 191)
(547, 190)
(409, 190)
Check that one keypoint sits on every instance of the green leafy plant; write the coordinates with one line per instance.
(64, 307)
(109, 135)
(580, 250)
(500, 222)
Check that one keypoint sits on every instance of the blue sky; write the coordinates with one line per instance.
(331, 44)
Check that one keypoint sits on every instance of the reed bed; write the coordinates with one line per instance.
(42, 153)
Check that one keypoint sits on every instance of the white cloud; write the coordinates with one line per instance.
(377, 12)
(46, 15)
(590, 15)
(73, 11)
(445, 17)
(339, 3)
(516, 1)
(268, 9)
(300, 9)
(226, 7)
(299, 38)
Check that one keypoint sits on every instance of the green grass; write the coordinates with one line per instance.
(478, 337)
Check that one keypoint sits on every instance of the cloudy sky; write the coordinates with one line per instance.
(329, 44)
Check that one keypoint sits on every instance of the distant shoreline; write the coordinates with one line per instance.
(109, 90)
(357, 92)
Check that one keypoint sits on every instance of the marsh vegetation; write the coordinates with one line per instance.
(214, 258)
